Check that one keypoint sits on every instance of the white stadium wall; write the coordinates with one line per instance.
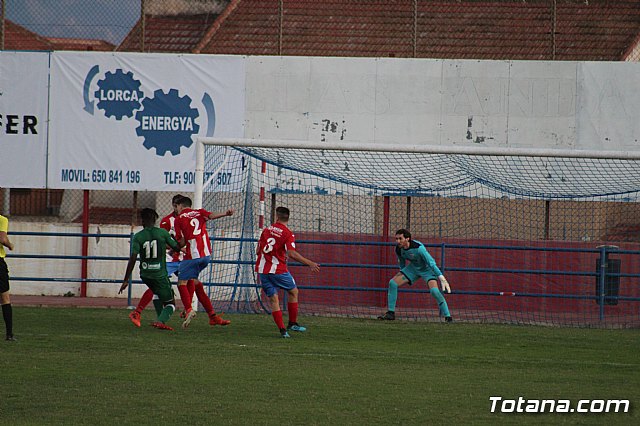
(517, 104)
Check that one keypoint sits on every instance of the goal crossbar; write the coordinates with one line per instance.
(424, 149)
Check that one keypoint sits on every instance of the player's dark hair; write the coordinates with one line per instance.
(176, 198)
(185, 201)
(282, 213)
(148, 216)
(404, 232)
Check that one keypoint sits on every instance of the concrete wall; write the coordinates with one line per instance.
(65, 268)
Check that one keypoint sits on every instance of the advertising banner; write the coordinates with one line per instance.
(128, 121)
(24, 96)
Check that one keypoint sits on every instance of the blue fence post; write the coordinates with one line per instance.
(442, 257)
(601, 279)
(131, 277)
(608, 278)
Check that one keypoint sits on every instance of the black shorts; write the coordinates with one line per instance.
(4, 276)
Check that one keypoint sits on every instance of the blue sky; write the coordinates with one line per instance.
(108, 20)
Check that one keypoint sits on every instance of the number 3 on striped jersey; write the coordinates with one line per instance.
(270, 243)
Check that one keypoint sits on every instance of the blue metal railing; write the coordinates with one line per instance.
(602, 274)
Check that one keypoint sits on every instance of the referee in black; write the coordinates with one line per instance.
(5, 300)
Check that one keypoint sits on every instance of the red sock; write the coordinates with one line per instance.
(144, 300)
(204, 299)
(185, 296)
(277, 317)
(191, 285)
(293, 312)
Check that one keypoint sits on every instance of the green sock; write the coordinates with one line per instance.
(158, 305)
(392, 296)
(442, 304)
(166, 313)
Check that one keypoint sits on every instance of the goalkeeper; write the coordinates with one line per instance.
(421, 265)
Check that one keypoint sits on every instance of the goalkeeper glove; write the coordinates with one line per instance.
(445, 284)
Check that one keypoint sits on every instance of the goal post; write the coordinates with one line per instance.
(516, 230)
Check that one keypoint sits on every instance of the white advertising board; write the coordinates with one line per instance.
(129, 120)
(24, 96)
(512, 104)
(609, 105)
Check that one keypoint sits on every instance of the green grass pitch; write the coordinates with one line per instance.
(92, 366)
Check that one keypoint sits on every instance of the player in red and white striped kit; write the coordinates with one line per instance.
(276, 242)
(191, 229)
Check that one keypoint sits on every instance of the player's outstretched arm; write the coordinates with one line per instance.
(214, 216)
(430, 261)
(293, 254)
(173, 245)
(127, 274)
(401, 260)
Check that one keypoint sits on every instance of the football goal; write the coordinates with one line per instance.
(527, 236)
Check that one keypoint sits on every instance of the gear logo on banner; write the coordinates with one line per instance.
(167, 122)
(118, 94)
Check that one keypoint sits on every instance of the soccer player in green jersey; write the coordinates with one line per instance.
(150, 244)
(421, 265)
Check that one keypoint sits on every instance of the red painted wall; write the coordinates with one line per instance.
(485, 275)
